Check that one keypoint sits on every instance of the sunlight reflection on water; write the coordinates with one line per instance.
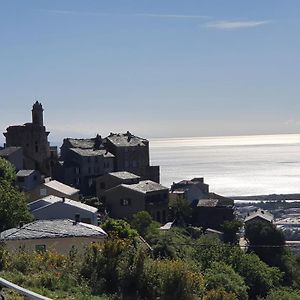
(235, 165)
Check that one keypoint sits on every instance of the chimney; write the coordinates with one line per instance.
(77, 219)
(63, 199)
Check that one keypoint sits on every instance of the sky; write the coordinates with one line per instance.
(158, 68)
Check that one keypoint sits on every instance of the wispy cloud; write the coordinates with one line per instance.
(147, 15)
(235, 25)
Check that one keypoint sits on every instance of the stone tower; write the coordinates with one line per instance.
(37, 114)
(33, 138)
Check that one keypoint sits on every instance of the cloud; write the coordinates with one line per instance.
(235, 25)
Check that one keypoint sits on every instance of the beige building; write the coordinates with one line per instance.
(55, 188)
(127, 199)
(57, 235)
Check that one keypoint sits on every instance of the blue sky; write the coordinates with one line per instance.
(159, 68)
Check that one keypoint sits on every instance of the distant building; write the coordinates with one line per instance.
(190, 190)
(113, 179)
(52, 207)
(58, 235)
(27, 180)
(14, 155)
(127, 199)
(54, 188)
(82, 160)
(132, 155)
(82, 166)
(212, 212)
(33, 138)
(259, 215)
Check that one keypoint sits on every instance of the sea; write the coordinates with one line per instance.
(232, 165)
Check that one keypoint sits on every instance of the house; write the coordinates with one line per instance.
(27, 180)
(113, 179)
(55, 188)
(33, 138)
(259, 215)
(14, 155)
(190, 190)
(57, 235)
(84, 159)
(52, 207)
(212, 212)
(132, 155)
(82, 166)
(125, 200)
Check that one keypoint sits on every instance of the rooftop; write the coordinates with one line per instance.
(92, 152)
(5, 152)
(263, 214)
(145, 186)
(61, 187)
(124, 175)
(126, 139)
(81, 143)
(42, 229)
(25, 173)
(50, 200)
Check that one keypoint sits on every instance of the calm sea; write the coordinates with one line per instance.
(232, 165)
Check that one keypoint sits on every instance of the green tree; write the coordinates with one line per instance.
(7, 171)
(180, 211)
(13, 207)
(283, 294)
(222, 276)
(266, 241)
(119, 229)
(144, 224)
(230, 229)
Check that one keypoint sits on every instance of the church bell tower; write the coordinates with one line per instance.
(37, 114)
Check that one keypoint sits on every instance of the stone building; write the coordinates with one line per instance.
(14, 155)
(132, 155)
(113, 179)
(33, 138)
(82, 160)
(125, 200)
(190, 190)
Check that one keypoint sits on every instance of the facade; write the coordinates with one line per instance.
(213, 212)
(52, 207)
(54, 188)
(190, 190)
(27, 180)
(82, 166)
(14, 155)
(127, 199)
(33, 138)
(57, 235)
(113, 179)
(132, 155)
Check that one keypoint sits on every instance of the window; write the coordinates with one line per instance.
(36, 147)
(89, 159)
(125, 202)
(40, 248)
(21, 179)
(134, 164)
(126, 164)
(89, 170)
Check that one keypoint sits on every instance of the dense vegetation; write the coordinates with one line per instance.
(182, 265)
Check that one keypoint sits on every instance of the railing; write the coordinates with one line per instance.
(28, 294)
